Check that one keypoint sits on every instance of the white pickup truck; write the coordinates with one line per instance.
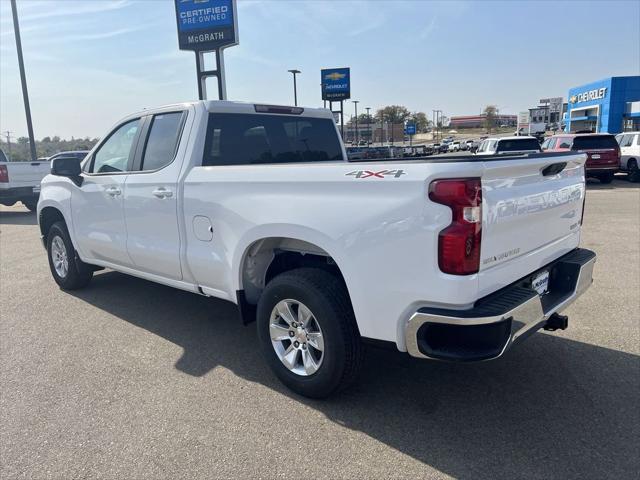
(450, 258)
(20, 181)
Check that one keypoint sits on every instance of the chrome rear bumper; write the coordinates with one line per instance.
(501, 319)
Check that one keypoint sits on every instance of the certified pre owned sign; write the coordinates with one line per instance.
(595, 94)
(206, 24)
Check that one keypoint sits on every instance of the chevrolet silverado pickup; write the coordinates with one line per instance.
(449, 258)
(20, 181)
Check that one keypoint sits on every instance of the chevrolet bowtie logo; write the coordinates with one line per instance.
(573, 99)
(335, 76)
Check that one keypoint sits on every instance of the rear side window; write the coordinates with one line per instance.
(162, 141)
(518, 145)
(594, 142)
(627, 140)
(241, 139)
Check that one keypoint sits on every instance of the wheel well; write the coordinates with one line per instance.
(269, 257)
(49, 216)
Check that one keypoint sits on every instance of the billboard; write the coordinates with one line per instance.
(336, 84)
(410, 129)
(205, 25)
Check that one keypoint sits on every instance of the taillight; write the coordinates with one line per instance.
(459, 243)
(4, 174)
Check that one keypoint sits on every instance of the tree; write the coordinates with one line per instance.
(490, 115)
(363, 119)
(393, 113)
(420, 121)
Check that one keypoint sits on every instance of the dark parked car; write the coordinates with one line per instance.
(603, 152)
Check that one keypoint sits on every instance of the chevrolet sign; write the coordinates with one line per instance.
(336, 84)
(595, 94)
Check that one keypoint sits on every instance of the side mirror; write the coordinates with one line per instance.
(66, 167)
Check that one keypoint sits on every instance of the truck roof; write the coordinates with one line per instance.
(513, 137)
(227, 106)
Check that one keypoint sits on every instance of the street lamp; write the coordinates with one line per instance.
(355, 104)
(295, 90)
(370, 140)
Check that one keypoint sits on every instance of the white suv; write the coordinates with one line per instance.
(630, 154)
(508, 146)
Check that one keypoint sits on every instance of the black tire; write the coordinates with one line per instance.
(78, 273)
(633, 172)
(606, 177)
(327, 298)
(32, 205)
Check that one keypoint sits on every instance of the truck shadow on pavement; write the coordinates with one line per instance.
(619, 183)
(552, 408)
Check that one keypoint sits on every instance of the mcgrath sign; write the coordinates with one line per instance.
(410, 129)
(336, 84)
(205, 25)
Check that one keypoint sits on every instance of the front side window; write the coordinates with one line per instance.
(162, 142)
(113, 155)
(564, 142)
(245, 139)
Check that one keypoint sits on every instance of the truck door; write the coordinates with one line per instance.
(151, 197)
(97, 204)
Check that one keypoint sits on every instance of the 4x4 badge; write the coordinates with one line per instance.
(378, 174)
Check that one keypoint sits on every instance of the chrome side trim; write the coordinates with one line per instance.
(526, 316)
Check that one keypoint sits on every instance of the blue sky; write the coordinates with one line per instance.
(90, 62)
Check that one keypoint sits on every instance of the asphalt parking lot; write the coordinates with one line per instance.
(128, 379)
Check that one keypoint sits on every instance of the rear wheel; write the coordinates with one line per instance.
(69, 272)
(606, 177)
(633, 171)
(308, 332)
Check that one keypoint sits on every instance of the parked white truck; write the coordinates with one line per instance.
(20, 181)
(450, 258)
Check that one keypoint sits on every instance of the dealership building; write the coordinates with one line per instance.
(611, 105)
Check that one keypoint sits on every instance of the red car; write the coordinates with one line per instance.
(602, 149)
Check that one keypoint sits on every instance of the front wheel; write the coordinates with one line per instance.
(308, 332)
(69, 272)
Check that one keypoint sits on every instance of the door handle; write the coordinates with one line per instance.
(113, 191)
(162, 192)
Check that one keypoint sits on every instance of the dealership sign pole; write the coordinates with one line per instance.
(207, 26)
(336, 87)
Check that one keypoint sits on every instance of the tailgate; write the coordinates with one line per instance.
(26, 174)
(529, 218)
(604, 158)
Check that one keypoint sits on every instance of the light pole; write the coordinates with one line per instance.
(23, 81)
(295, 89)
(355, 104)
(369, 122)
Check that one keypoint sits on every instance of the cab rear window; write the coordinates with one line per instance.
(518, 145)
(594, 142)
